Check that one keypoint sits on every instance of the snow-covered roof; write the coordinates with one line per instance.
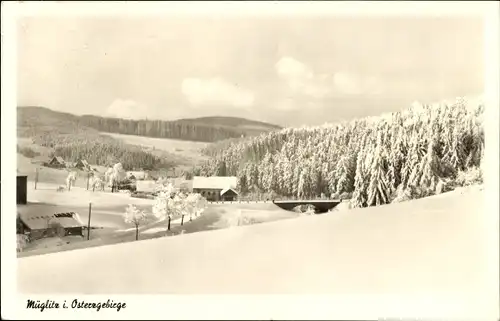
(180, 182)
(146, 186)
(70, 219)
(41, 221)
(59, 159)
(83, 162)
(224, 191)
(215, 182)
(136, 174)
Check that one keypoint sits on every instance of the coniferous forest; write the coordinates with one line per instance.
(208, 129)
(158, 129)
(421, 151)
(101, 150)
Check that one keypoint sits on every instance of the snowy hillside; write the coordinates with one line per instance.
(433, 246)
(374, 160)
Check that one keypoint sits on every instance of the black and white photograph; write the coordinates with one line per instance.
(322, 151)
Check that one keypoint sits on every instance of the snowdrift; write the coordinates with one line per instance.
(434, 247)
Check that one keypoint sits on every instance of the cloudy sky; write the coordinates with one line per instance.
(288, 71)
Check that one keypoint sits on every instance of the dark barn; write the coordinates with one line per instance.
(22, 189)
(57, 162)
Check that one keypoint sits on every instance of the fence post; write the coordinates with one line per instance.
(88, 226)
(36, 176)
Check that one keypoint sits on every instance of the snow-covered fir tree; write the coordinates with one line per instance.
(375, 158)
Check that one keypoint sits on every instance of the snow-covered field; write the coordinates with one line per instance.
(107, 215)
(182, 148)
(107, 208)
(430, 248)
(78, 196)
(52, 176)
(226, 215)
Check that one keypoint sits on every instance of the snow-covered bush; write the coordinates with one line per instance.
(345, 196)
(343, 206)
(402, 195)
(22, 242)
(195, 205)
(307, 209)
(440, 187)
(247, 221)
(471, 176)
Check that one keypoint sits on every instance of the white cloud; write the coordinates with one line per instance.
(294, 69)
(302, 79)
(126, 108)
(216, 91)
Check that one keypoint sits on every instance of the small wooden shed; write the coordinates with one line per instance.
(22, 189)
(83, 165)
(57, 162)
(228, 195)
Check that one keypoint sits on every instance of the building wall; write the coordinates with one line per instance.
(52, 232)
(37, 234)
(74, 231)
(209, 193)
(22, 189)
(55, 163)
(82, 166)
(21, 228)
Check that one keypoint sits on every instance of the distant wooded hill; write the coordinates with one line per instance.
(206, 129)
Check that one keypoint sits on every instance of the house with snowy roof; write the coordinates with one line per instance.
(57, 162)
(216, 188)
(83, 165)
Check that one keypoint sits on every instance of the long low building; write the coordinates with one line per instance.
(216, 188)
(42, 225)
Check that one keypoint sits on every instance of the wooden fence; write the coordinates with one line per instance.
(256, 200)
